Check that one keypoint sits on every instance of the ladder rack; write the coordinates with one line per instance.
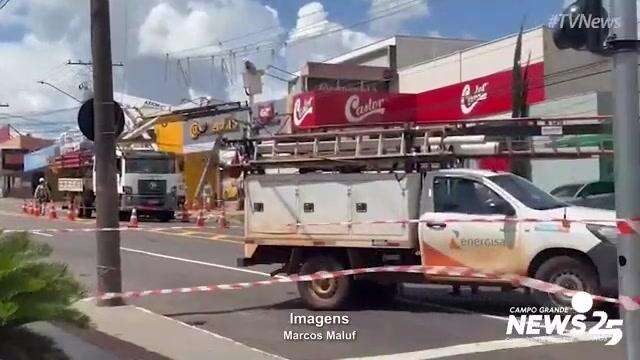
(408, 145)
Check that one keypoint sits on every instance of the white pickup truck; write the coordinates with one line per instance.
(281, 211)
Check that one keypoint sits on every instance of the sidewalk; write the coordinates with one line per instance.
(82, 344)
(165, 336)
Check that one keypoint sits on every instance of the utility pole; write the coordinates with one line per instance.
(626, 129)
(107, 242)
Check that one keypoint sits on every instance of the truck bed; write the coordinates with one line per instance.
(280, 209)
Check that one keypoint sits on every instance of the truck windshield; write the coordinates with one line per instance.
(149, 166)
(526, 192)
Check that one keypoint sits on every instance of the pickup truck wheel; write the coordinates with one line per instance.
(327, 294)
(568, 272)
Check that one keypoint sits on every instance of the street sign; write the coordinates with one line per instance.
(85, 119)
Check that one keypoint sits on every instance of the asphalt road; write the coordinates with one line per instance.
(424, 323)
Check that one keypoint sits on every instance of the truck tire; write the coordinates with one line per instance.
(328, 294)
(568, 272)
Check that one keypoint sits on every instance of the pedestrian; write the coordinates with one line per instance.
(42, 195)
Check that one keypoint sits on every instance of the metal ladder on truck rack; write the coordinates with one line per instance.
(388, 147)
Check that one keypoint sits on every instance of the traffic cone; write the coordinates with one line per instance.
(53, 214)
(200, 219)
(185, 214)
(25, 207)
(71, 214)
(133, 221)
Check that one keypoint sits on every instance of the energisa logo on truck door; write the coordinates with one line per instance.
(469, 99)
(547, 321)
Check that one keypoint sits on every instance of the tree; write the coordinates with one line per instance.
(32, 289)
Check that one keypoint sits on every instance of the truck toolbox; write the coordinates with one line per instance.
(281, 209)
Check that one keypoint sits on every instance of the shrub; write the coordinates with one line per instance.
(32, 289)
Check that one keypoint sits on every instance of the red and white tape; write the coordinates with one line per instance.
(625, 226)
(71, 230)
(628, 303)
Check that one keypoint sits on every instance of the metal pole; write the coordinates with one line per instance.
(107, 242)
(626, 129)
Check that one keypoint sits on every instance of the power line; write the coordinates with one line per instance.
(242, 36)
(380, 15)
(3, 3)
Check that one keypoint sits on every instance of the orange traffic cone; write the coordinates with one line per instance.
(71, 215)
(53, 214)
(133, 221)
(185, 214)
(200, 219)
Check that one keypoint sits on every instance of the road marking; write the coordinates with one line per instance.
(482, 347)
(189, 234)
(163, 256)
(40, 233)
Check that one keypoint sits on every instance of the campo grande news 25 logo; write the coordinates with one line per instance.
(545, 320)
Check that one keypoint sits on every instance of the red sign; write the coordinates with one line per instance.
(484, 96)
(265, 113)
(479, 97)
(318, 109)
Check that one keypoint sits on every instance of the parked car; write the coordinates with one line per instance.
(571, 192)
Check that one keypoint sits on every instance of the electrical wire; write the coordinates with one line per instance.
(380, 15)
(3, 3)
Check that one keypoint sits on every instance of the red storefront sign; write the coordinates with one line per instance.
(318, 109)
(479, 97)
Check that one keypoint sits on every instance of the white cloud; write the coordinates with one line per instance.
(316, 38)
(143, 31)
(170, 28)
(392, 15)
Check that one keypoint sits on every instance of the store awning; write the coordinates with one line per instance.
(40, 159)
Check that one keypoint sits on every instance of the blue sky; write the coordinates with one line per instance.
(482, 19)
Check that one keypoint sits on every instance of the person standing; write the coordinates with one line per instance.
(42, 195)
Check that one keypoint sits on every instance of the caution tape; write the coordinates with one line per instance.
(108, 229)
(625, 226)
(628, 303)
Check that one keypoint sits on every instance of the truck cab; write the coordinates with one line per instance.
(467, 223)
(150, 182)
